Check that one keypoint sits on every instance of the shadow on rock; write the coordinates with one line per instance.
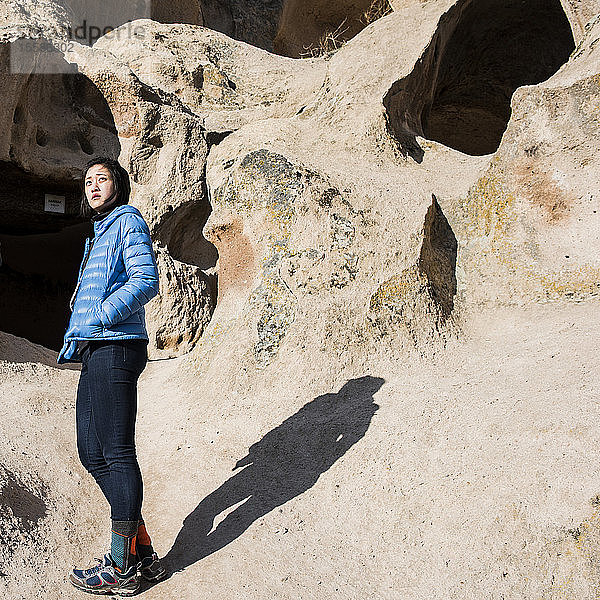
(286, 462)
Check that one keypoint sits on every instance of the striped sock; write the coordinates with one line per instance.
(142, 534)
(144, 544)
(123, 545)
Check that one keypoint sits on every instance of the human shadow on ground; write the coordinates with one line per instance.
(286, 462)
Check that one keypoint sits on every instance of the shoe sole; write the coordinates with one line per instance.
(104, 591)
(156, 578)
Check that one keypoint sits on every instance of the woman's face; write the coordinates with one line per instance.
(99, 187)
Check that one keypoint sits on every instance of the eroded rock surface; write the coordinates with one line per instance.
(532, 213)
(355, 214)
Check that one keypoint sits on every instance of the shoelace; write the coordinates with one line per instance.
(148, 560)
(95, 569)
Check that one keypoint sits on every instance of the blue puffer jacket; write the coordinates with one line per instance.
(118, 275)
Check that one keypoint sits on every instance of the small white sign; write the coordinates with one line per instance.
(54, 203)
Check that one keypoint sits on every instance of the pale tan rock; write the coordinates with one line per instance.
(445, 345)
(141, 93)
(532, 213)
(423, 450)
(227, 83)
(49, 18)
(41, 491)
(580, 14)
(181, 311)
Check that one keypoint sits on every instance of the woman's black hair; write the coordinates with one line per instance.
(120, 179)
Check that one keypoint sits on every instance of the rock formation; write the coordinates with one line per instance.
(322, 220)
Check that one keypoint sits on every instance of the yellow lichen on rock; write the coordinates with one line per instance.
(487, 207)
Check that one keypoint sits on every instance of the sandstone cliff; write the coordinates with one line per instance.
(379, 270)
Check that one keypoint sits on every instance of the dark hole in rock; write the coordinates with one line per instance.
(316, 27)
(85, 144)
(214, 138)
(41, 138)
(459, 92)
(292, 27)
(18, 115)
(41, 233)
(246, 20)
(155, 141)
(437, 261)
(37, 277)
(89, 20)
(178, 11)
(181, 233)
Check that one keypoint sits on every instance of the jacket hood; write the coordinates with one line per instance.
(102, 223)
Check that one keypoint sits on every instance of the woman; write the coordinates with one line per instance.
(107, 334)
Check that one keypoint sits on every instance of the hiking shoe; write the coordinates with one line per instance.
(103, 563)
(151, 569)
(103, 578)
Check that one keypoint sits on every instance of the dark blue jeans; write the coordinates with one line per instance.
(105, 413)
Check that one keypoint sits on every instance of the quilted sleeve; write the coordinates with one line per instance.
(142, 276)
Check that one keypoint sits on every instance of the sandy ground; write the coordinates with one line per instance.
(471, 476)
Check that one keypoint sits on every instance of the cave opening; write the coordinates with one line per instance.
(309, 28)
(181, 233)
(37, 277)
(294, 28)
(460, 91)
(54, 123)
